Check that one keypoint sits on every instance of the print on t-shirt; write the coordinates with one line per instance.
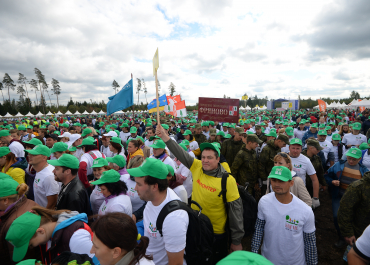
(152, 230)
(291, 224)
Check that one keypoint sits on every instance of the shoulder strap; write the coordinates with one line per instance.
(93, 155)
(166, 210)
(103, 155)
(223, 188)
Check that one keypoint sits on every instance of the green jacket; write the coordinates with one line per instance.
(230, 148)
(266, 159)
(354, 210)
(200, 138)
(317, 164)
(245, 168)
(263, 138)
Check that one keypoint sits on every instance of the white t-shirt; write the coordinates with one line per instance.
(124, 136)
(17, 149)
(106, 151)
(45, 185)
(147, 142)
(181, 192)
(285, 224)
(132, 193)
(366, 160)
(81, 242)
(350, 139)
(96, 199)
(120, 203)
(285, 149)
(363, 242)
(193, 145)
(86, 157)
(302, 165)
(206, 134)
(299, 133)
(328, 147)
(175, 226)
(184, 171)
(79, 152)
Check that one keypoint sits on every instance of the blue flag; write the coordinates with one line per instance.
(122, 100)
(162, 102)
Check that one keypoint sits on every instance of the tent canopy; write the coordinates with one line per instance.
(68, 113)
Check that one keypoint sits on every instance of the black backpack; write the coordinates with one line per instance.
(250, 207)
(199, 237)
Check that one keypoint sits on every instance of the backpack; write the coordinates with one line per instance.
(250, 207)
(199, 237)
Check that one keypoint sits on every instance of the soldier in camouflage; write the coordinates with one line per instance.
(212, 136)
(199, 136)
(260, 134)
(266, 158)
(354, 210)
(231, 147)
(245, 166)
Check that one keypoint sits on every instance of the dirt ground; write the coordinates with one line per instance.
(326, 235)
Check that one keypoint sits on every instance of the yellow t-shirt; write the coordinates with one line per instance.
(205, 192)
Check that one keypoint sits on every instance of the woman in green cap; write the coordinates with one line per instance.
(11, 165)
(61, 230)
(344, 130)
(58, 150)
(116, 147)
(13, 203)
(114, 191)
(99, 166)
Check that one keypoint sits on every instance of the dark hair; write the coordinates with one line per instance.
(210, 149)
(41, 139)
(90, 148)
(116, 146)
(116, 188)
(151, 129)
(73, 170)
(191, 137)
(124, 235)
(135, 143)
(162, 183)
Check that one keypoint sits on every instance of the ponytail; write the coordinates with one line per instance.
(22, 189)
(139, 251)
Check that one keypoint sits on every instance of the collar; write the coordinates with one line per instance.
(126, 258)
(112, 196)
(161, 156)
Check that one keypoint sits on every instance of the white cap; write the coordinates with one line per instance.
(111, 133)
(66, 134)
(74, 137)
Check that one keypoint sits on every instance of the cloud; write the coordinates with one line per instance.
(224, 82)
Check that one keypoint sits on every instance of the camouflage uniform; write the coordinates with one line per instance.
(230, 148)
(316, 162)
(245, 168)
(262, 137)
(266, 159)
(354, 210)
(200, 138)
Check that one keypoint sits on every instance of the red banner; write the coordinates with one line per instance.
(322, 105)
(219, 109)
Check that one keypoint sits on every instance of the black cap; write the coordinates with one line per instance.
(52, 135)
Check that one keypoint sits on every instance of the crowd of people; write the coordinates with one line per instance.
(91, 189)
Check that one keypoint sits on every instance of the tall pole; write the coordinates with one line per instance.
(156, 93)
(132, 104)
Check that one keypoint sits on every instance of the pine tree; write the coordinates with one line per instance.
(1, 88)
(115, 85)
(33, 84)
(56, 89)
(144, 89)
(138, 89)
(172, 89)
(8, 83)
(22, 81)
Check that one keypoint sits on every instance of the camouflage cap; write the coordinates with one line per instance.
(253, 138)
(197, 126)
(212, 132)
(283, 138)
(314, 143)
(239, 130)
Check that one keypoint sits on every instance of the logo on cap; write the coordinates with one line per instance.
(278, 171)
(296, 141)
(353, 152)
(96, 162)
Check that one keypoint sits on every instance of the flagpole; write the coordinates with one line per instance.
(133, 117)
(156, 93)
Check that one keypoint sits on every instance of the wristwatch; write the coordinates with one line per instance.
(315, 198)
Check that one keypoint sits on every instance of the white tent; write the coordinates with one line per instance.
(93, 112)
(7, 115)
(29, 114)
(59, 113)
(39, 114)
(316, 107)
(362, 103)
(101, 112)
(85, 113)
(248, 108)
(119, 112)
(19, 114)
(49, 113)
(68, 113)
(77, 113)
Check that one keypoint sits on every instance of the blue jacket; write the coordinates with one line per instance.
(335, 173)
(307, 135)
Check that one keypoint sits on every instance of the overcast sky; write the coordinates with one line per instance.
(206, 48)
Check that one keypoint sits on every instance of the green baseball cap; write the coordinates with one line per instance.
(185, 142)
(322, 132)
(354, 152)
(86, 132)
(170, 169)
(272, 133)
(72, 149)
(244, 257)
(227, 136)
(57, 132)
(4, 151)
(314, 143)
(66, 160)
(77, 124)
(158, 144)
(101, 124)
(59, 147)
(118, 159)
(30, 262)
(211, 146)
(20, 233)
(280, 172)
(356, 126)
(322, 126)
(87, 141)
(295, 141)
(33, 141)
(289, 131)
(8, 186)
(165, 126)
(21, 128)
(4, 133)
(124, 125)
(100, 162)
(314, 125)
(40, 150)
(187, 132)
(221, 133)
(110, 176)
(133, 129)
(364, 146)
(183, 146)
(116, 140)
(336, 137)
(150, 167)
(327, 128)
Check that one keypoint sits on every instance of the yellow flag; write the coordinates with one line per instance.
(155, 62)
(244, 97)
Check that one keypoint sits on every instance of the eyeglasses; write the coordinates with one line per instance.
(282, 154)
